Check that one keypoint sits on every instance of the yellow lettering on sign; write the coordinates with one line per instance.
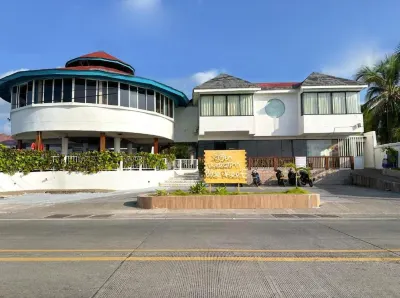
(225, 166)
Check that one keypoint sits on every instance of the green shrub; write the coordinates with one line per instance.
(161, 193)
(221, 190)
(179, 193)
(199, 188)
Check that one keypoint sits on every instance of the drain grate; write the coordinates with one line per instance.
(58, 216)
(102, 216)
(327, 215)
(305, 215)
(283, 215)
(80, 216)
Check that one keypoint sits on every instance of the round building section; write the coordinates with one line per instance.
(95, 103)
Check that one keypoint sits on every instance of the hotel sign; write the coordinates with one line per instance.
(225, 166)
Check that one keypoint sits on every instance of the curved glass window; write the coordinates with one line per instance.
(91, 92)
(275, 108)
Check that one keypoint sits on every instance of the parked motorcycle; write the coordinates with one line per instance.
(256, 178)
(279, 176)
(305, 178)
(292, 178)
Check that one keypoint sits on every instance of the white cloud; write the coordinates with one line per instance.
(348, 61)
(187, 84)
(143, 6)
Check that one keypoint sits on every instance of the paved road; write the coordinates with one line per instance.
(192, 258)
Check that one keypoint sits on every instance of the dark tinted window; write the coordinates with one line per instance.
(57, 90)
(124, 95)
(48, 91)
(162, 104)
(79, 95)
(38, 92)
(22, 95)
(14, 97)
(142, 98)
(29, 94)
(133, 97)
(166, 107)
(171, 108)
(67, 90)
(90, 91)
(113, 93)
(150, 100)
(158, 102)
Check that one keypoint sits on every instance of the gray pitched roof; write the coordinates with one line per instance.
(225, 81)
(320, 79)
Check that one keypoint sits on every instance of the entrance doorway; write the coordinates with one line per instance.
(220, 146)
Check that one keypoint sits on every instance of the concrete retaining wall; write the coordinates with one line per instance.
(111, 180)
(375, 183)
(253, 201)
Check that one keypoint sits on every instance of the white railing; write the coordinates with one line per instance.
(186, 164)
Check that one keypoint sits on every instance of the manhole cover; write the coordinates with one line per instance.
(283, 215)
(101, 216)
(80, 216)
(327, 215)
(305, 215)
(58, 216)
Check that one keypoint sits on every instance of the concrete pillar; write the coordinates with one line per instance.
(64, 146)
(102, 141)
(130, 148)
(39, 141)
(155, 145)
(117, 144)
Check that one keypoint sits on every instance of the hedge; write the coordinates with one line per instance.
(26, 161)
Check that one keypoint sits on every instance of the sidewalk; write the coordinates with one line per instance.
(337, 202)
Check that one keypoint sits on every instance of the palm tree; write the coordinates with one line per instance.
(382, 105)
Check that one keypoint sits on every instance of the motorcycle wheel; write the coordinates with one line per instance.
(302, 182)
(311, 183)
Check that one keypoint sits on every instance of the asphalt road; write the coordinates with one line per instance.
(190, 258)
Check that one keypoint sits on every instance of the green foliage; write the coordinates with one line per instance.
(161, 193)
(179, 192)
(297, 191)
(199, 188)
(201, 166)
(26, 161)
(221, 190)
(180, 150)
(391, 154)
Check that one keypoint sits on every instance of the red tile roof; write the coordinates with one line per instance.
(102, 68)
(100, 54)
(278, 85)
(4, 137)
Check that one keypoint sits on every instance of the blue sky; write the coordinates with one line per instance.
(185, 42)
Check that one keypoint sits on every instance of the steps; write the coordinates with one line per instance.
(182, 181)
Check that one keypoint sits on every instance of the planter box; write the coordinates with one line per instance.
(245, 201)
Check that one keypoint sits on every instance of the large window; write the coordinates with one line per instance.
(93, 92)
(58, 90)
(79, 90)
(328, 103)
(67, 90)
(226, 105)
(124, 100)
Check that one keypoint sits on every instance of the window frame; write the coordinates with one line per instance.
(226, 105)
(331, 96)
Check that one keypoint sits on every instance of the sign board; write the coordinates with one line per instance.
(225, 166)
(301, 161)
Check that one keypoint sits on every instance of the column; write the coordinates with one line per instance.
(130, 148)
(19, 144)
(117, 144)
(64, 146)
(39, 141)
(155, 145)
(102, 141)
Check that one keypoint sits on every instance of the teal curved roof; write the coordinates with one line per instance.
(6, 83)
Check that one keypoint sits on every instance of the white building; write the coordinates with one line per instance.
(320, 116)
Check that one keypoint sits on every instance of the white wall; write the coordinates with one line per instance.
(317, 124)
(111, 180)
(240, 124)
(186, 124)
(286, 125)
(86, 117)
